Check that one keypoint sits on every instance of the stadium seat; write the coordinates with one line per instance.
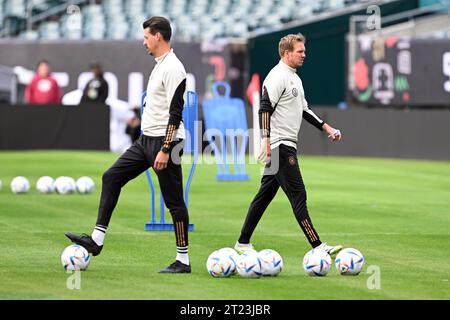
(15, 8)
(49, 30)
(29, 35)
(201, 19)
(72, 26)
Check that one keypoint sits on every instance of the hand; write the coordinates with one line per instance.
(264, 154)
(333, 134)
(161, 161)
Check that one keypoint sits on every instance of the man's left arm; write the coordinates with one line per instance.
(312, 118)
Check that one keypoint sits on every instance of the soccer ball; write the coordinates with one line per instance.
(45, 184)
(249, 265)
(75, 257)
(85, 185)
(271, 262)
(233, 256)
(349, 261)
(1, 184)
(317, 263)
(220, 264)
(20, 185)
(65, 185)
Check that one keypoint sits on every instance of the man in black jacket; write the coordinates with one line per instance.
(96, 89)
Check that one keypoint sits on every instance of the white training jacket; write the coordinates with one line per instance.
(283, 106)
(163, 109)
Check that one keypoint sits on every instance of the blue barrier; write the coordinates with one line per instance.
(190, 116)
(225, 124)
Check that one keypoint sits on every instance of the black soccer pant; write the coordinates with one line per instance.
(139, 157)
(287, 175)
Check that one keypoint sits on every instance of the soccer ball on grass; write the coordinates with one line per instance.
(249, 265)
(220, 264)
(317, 263)
(45, 184)
(271, 262)
(85, 185)
(349, 262)
(75, 258)
(20, 185)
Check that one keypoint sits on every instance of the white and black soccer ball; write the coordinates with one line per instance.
(20, 185)
(65, 185)
(249, 265)
(317, 263)
(349, 261)
(271, 262)
(220, 265)
(75, 258)
(45, 185)
(234, 256)
(85, 185)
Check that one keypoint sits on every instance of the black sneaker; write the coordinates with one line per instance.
(177, 267)
(85, 241)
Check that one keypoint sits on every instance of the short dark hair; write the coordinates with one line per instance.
(43, 61)
(159, 24)
(95, 65)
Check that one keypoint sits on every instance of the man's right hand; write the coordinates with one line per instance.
(265, 153)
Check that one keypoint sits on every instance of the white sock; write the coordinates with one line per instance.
(182, 255)
(98, 235)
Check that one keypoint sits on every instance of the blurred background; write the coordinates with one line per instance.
(377, 70)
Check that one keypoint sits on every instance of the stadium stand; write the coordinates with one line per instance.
(193, 20)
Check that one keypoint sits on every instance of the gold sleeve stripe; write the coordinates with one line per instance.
(169, 135)
(266, 124)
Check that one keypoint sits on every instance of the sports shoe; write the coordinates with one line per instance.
(241, 247)
(177, 267)
(85, 241)
(331, 250)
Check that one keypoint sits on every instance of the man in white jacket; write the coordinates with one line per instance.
(163, 129)
(282, 108)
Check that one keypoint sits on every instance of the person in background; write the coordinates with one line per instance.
(133, 128)
(43, 88)
(96, 89)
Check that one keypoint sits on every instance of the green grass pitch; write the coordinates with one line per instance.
(396, 212)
